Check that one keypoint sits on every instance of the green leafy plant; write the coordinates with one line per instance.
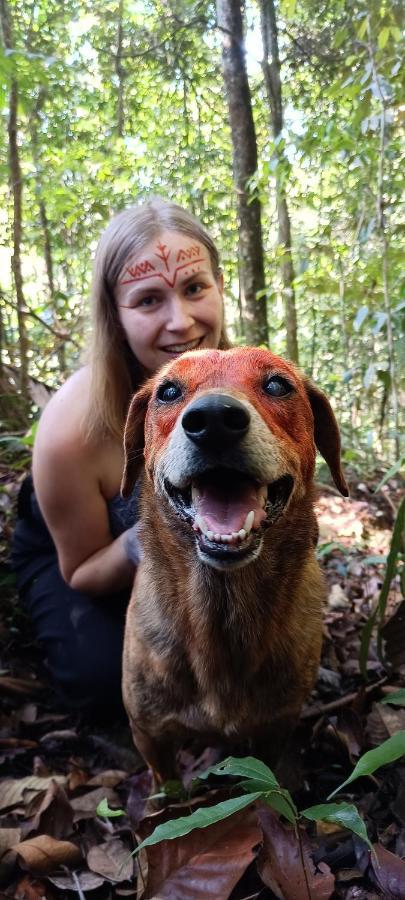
(377, 616)
(259, 783)
(397, 698)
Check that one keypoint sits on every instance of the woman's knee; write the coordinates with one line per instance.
(82, 639)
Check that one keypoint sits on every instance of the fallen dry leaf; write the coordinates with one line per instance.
(8, 838)
(53, 814)
(17, 744)
(280, 866)
(337, 598)
(109, 778)
(140, 789)
(76, 779)
(44, 854)
(389, 874)
(12, 790)
(19, 685)
(32, 889)
(86, 881)
(208, 862)
(384, 721)
(112, 859)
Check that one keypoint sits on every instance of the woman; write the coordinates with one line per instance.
(157, 292)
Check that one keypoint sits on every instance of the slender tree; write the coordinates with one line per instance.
(271, 71)
(15, 180)
(251, 268)
(43, 218)
(383, 233)
(120, 70)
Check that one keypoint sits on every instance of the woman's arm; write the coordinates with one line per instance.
(68, 476)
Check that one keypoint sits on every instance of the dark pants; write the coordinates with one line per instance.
(82, 636)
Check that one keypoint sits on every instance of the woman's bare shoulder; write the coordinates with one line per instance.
(63, 419)
(62, 444)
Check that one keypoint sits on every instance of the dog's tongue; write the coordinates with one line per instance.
(225, 506)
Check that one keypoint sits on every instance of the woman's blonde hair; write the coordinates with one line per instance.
(115, 371)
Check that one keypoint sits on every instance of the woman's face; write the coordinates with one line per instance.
(169, 300)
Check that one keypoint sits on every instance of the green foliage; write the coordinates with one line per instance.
(249, 767)
(377, 616)
(80, 163)
(260, 783)
(104, 810)
(397, 467)
(343, 814)
(397, 698)
(388, 752)
(201, 818)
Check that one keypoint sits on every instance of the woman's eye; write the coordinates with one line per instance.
(169, 391)
(148, 301)
(195, 288)
(276, 386)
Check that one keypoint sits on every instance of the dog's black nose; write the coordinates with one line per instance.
(216, 421)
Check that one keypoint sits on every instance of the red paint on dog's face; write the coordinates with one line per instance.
(242, 372)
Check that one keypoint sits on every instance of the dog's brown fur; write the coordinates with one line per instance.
(210, 651)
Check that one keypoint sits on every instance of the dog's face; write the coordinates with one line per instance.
(229, 442)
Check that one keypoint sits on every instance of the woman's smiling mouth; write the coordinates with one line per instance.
(183, 348)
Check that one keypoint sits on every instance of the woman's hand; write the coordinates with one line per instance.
(132, 545)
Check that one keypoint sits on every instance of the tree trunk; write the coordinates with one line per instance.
(16, 192)
(383, 235)
(120, 71)
(1, 334)
(43, 217)
(252, 285)
(271, 71)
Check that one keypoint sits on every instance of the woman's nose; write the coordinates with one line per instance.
(180, 318)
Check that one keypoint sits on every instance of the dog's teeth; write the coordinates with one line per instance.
(202, 525)
(263, 495)
(210, 535)
(235, 535)
(217, 537)
(195, 494)
(249, 521)
(242, 534)
(225, 538)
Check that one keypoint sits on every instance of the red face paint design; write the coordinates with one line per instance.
(139, 271)
(169, 300)
(146, 269)
(163, 255)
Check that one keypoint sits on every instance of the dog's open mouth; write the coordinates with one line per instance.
(228, 510)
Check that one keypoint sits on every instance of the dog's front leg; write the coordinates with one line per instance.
(270, 744)
(158, 753)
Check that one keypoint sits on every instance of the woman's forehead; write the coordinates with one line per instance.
(166, 257)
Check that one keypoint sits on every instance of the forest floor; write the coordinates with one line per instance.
(55, 767)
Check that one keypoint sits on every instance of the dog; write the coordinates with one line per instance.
(223, 630)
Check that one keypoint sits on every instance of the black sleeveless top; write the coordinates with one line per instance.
(32, 547)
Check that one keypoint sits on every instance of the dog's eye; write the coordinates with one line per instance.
(168, 392)
(276, 386)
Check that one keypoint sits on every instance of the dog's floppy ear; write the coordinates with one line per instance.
(326, 434)
(134, 439)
